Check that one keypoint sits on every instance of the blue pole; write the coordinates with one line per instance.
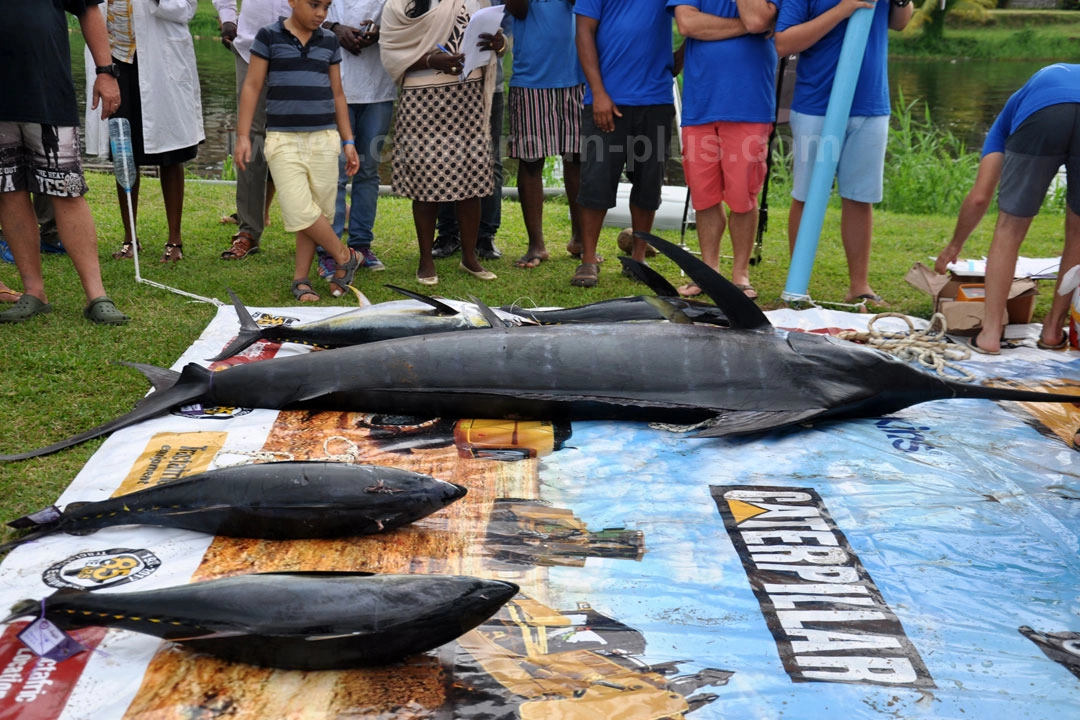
(828, 155)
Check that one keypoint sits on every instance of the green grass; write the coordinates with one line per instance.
(1006, 34)
(58, 374)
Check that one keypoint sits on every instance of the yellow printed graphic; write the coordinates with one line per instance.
(743, 510)
(171, 456)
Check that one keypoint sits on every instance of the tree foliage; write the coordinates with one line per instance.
(930, 15)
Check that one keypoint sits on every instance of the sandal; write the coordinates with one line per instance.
(102, 310)
(126, 252)
(586, 275)
(302, 288)
(174, 252)
(25, 308)
(1063, 345)
(243, 245)
(340, 283)
(529, 261)
(691, 289)
(750, 292)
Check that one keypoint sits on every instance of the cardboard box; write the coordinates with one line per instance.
(966, 317)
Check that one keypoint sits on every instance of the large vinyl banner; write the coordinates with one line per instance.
(921, 565)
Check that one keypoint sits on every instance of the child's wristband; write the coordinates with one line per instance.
(347, 142)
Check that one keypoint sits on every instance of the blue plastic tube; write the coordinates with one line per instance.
(832, 135)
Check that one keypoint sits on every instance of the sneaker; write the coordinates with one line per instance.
(371, 262)
(327, 266)
(485, 248)
(445, 246)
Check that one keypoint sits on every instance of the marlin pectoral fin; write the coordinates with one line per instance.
(441, 308)
(249, 333)
(654, 280)
(741, 311)
(752, 421)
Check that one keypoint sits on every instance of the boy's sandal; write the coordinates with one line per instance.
(340, 283)
(25, 308)
(126, 252)
(586, 275)
(174, 252)
(243, 245)
(302, 288)
(102, 311)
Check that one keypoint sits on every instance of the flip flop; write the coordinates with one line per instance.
(691, 289)
(529, 262)
(586, 275)
(7, 295)
(974, 345)
(25, 308)
(1063, 345)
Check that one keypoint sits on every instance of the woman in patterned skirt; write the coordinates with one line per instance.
(442, 144)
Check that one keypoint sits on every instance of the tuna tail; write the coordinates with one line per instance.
(23, 608)
(193, 384)
(29, 537)
(249, 333)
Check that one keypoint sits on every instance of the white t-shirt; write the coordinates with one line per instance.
(362, 76)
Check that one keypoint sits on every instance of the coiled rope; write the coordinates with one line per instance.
(930, 348)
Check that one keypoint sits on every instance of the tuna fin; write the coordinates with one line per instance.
(193, 385)
(741, 311)
(490, 315)
(654, 280)
(670, 312)
(441, 308)
(751, 421)
(33, 521)
(249, 333)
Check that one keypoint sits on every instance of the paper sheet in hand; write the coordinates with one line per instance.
(487, 20)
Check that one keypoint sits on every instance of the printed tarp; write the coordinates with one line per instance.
(918, 565)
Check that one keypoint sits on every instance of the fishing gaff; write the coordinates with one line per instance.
(828, 155)
(124, 169)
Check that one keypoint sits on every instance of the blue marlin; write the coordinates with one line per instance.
(747, 378)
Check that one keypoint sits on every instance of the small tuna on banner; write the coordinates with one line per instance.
(292, 621)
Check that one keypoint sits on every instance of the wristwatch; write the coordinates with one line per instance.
(109, 69)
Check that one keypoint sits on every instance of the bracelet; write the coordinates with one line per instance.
(427, 60)
(347, 142)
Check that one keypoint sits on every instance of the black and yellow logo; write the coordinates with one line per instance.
(101, 569)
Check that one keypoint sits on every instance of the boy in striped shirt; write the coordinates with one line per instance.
(306, 117)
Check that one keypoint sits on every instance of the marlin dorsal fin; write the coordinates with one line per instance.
(741, 311)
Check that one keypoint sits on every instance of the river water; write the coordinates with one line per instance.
(964, 96)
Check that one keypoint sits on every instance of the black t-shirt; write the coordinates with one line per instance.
(35, 61)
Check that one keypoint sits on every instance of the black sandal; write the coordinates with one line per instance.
(341, 283)
(126, 252)
(174, 252)
(303, 287)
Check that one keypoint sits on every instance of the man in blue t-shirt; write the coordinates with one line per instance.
(815, 30)
(1036, 133)
(725, 142)
(625, 51)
